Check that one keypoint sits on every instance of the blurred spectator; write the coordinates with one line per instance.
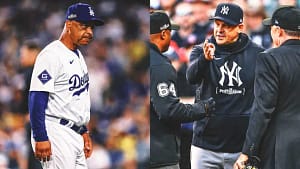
(166, 5)
(202, 11)
(287, 2)
(28, 53)
(3, 161)
(183, 16)
(254, 15)
(13, 140)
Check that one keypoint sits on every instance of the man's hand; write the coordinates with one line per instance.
(241, 162)
(207, 107)
(43, 150)
(210, 106)
(88, 146)
(209, 50)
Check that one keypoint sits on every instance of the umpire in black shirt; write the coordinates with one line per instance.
(273, 132)
(166, 111)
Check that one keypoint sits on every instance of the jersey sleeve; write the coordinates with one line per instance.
(37, 106)
(44, 72)
(164, 98)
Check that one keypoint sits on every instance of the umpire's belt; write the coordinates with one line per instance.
(68, 123)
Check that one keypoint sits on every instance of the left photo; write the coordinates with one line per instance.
(74, 84)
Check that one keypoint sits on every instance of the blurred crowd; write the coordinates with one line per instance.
(195, 26)
(117, 61)
(193, 18)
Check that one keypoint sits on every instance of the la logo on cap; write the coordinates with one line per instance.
(92, 13)
(224, 10)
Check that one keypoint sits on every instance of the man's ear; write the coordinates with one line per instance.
(241, 27)
(163, 34)
(276, 33)
(68, 24)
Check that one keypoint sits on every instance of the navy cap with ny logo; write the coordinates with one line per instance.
(229, 13)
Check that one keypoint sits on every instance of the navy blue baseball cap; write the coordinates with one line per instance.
(286, 17)
(229, 13)
(82, 12)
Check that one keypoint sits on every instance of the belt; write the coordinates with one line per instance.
(68, 123)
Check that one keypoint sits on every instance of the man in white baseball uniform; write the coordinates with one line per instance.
(59, 100)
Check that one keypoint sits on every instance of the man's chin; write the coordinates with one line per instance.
(221, 41)
(84, 42)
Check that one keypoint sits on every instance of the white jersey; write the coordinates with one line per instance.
(63, 74)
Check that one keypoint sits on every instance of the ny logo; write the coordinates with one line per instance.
(224, 10)
(91, 11)
(233, 74)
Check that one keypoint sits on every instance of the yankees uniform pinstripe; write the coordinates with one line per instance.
(63, 73)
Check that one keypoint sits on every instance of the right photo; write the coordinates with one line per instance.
(224, 80)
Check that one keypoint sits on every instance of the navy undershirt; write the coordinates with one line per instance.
(76, 52)
(38, 101)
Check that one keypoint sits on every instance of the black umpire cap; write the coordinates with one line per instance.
(159, 21)
(286, 17)
(229, 13)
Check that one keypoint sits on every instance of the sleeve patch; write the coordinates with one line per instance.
(44, 77)
(164, 90)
